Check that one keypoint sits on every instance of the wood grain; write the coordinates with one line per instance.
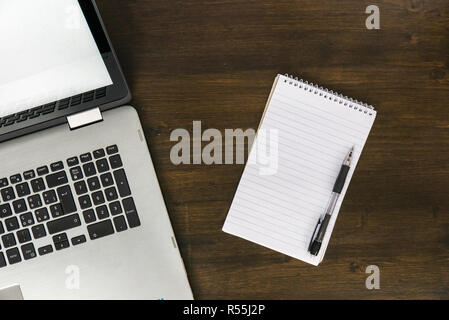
(215, 61)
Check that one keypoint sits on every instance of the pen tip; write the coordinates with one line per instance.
(350, 154)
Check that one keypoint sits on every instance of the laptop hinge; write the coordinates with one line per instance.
(84, 118)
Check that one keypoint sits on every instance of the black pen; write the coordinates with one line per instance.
(320, 229)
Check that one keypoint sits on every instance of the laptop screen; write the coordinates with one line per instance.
(47, 53)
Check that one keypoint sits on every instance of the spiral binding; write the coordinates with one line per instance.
(331, 95)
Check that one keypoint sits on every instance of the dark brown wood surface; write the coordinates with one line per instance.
(215, 61)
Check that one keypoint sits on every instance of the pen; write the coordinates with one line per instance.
(320, 229)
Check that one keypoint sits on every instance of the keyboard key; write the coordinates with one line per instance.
(38, 185)
(122, 183)
(115, 161)
(2, 230)
(56, 179)
(131, 212)
(13, 256)
(19, 206)
(89, 216)
(120, 223)
(98, 153)
(111, 193)
(4, 182)
(2, 260)
(34, 201)
(10, 120)
(88, 96)
(63, 104)
(76, 173)
(98, 198)
(8, 194)
(9, 240)
(115, 208)
(78, 240)
(106, 180)
(73, 161)
(56, 210)
(12, 224)
(85, 157)
(23, 189)
(41, 214)
(23, 235)
(62, 245)
(63, 224)
(89, 169)
(29, 174)
(56, 166)
(5, 210)
(93, 183)
(26, 219)
(15, 178)
(38, 231)
(45, 250)
(112, 149)
(48, 108)
(100, 229)
(28, 251)
(85, 202)
(66, 198)
(102, 212)
(42, 170)
(49, 196)
(59, 237)
(80, 187)
(102, 165)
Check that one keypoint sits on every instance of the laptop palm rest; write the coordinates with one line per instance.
(138, 263)
(11, 293)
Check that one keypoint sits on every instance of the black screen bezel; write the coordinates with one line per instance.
(116, 94)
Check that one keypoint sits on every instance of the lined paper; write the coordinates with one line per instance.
(315, 130)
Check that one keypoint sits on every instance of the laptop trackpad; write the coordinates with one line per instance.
(11, 293)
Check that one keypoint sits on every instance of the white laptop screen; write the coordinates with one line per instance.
(47, 53)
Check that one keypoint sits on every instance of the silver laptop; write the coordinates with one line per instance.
(81, 212)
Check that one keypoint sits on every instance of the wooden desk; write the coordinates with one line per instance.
(215, 61)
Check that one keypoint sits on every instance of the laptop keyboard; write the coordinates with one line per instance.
(51, 107)
(41, 204)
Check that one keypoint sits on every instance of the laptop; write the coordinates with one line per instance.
(81, 212)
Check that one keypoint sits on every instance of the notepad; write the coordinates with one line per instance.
(307, 131)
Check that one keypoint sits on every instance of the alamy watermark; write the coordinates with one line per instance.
(373, 20)
(220, 150)
(373, 280)
(72, 280)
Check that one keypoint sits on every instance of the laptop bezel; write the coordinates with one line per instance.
(117, 94)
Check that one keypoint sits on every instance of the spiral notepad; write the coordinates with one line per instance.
(309, 131)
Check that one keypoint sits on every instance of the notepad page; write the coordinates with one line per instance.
(279, 208)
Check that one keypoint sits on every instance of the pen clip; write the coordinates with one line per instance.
(317, 228)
